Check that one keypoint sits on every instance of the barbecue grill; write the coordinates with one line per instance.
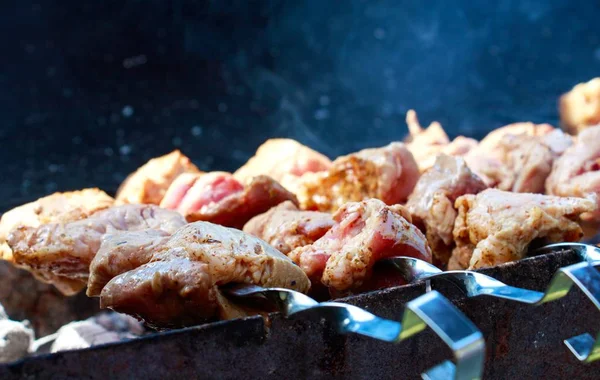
(519, 338)
(254, 66)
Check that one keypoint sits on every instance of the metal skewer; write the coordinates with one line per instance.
(473, 284)
(586, 252)
(431, 309)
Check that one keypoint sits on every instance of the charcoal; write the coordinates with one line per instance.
(46, 308)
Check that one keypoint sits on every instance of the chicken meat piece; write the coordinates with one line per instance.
(57, 207)
(431, 204)
(426, 144)
(277, 158)
(580, 107)
(577, 172)
(150, 182)
(518, 157)
(61, 253)
(363, 233)
(496, 227)
(388, 173)
(175, 282)
(219, 198)
(286, 227)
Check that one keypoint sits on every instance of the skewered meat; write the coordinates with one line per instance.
(122, 252)
(177, 280)
(149, 183)
(577, 172)
(364, 232)
(280, 157)
(518, 157)
(20, 292)
(388, 173)
(580, 107)
(286, 227)
(61, 253)
(219, 198)
(426, 144)
(57, 207)
(432, 202)
(495, 227)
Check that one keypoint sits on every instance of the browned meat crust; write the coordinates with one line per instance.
(60, 253)
(175, 282)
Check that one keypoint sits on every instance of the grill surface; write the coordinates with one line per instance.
(521, 341)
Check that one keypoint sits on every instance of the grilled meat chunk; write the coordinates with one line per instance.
(278, 158)
(518, 157)
(286, 227)
(176, 280)
(122, 252)
(364, 232)
(577, 172)
(495, 227)
(431, 203)
(580, 107)
(219, 198)
(61, 253)
(150, 182)
(58, 207)
(426, 144)
(388, 173)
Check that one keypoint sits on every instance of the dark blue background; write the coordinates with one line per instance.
(89, 90)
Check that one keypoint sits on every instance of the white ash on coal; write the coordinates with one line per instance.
(15, 338)
(100, 329)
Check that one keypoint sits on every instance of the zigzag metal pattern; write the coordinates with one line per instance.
(474, 284)
(431, 309)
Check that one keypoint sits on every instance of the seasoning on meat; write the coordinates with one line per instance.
(175, 281)
(286, 227)
(57, 207)
(577, 172)
(518, 157)
(580, 107)
(277, 158)
(60, 253)
(426, 144)
(388, 173)
(495, 227)
(149, 183)
(432, 202)
(219, 198)
(363, 233)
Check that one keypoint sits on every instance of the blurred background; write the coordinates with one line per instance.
(90, 90)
